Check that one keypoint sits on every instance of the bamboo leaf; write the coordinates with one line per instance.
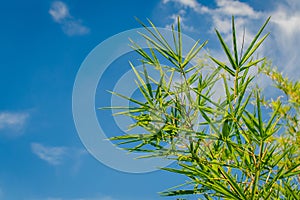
(148, 82)
(233, 184)
(250, 48)
(249, 54)
(227, 51)
(251, 63)
(223, 65)
(130, 99)
(179, 41)
(234, 43)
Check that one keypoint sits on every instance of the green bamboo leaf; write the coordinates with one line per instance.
(143, 53)
(241, 108)
(242, 91)
(233, 184)
(137, 147)
(178, 192)
(250, 125)
(228, 95)
(250, 48)
(130, 99)
(275, 178)
(254, 121)
(156, 61)
(252, 63)
(162, 38)
(131, 136)
(148, 82)
(143, 87)
(225, 129)
(293, 193)
(196, 67)
(193, 52)
(219, 106)
(270, 155)
(145, 94)
(192, 78)
(180, 171)
(281, 157)
(223, 65)
(250, 53)
(157, 35)
(259, 115)
(170, 55)
(118, 108)
(219, 187)
(179, 41)
(269, 126)
(291, 171)
(137, 74)
(234, 43)
(227, 51)
(210, 122)
(128, 141)
(267, 196)
(207, 197)
(129, 112)
(255, 184)
(175, 40)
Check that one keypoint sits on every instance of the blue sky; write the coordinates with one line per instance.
(43, 44)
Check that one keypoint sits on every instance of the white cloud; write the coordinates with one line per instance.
(52, 155)
(288, 22)
(71, 26)
(189, 3)
(13, 123)
(75, 28)
(220, 16)
(224, 7)
(58, 155)
(294, 3)
(59, 11)
(243, 13)
(233, 7)
(185, 27)
(284, 40)
(193, 4)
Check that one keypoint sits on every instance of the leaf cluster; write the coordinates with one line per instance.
(240, 146)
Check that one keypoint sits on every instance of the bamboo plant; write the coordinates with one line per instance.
(239, 146)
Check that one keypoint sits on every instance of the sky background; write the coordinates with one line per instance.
(42, 45)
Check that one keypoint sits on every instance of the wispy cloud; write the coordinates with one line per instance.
(60, 14)
(13, 123)
(52, 155)
(285, 37)
(189, 3)
(174, 21)
(222, 13)
(289, 23)
(59, 155)
(233, 7)
(225, 7)
(192, 4)
(59, 11)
